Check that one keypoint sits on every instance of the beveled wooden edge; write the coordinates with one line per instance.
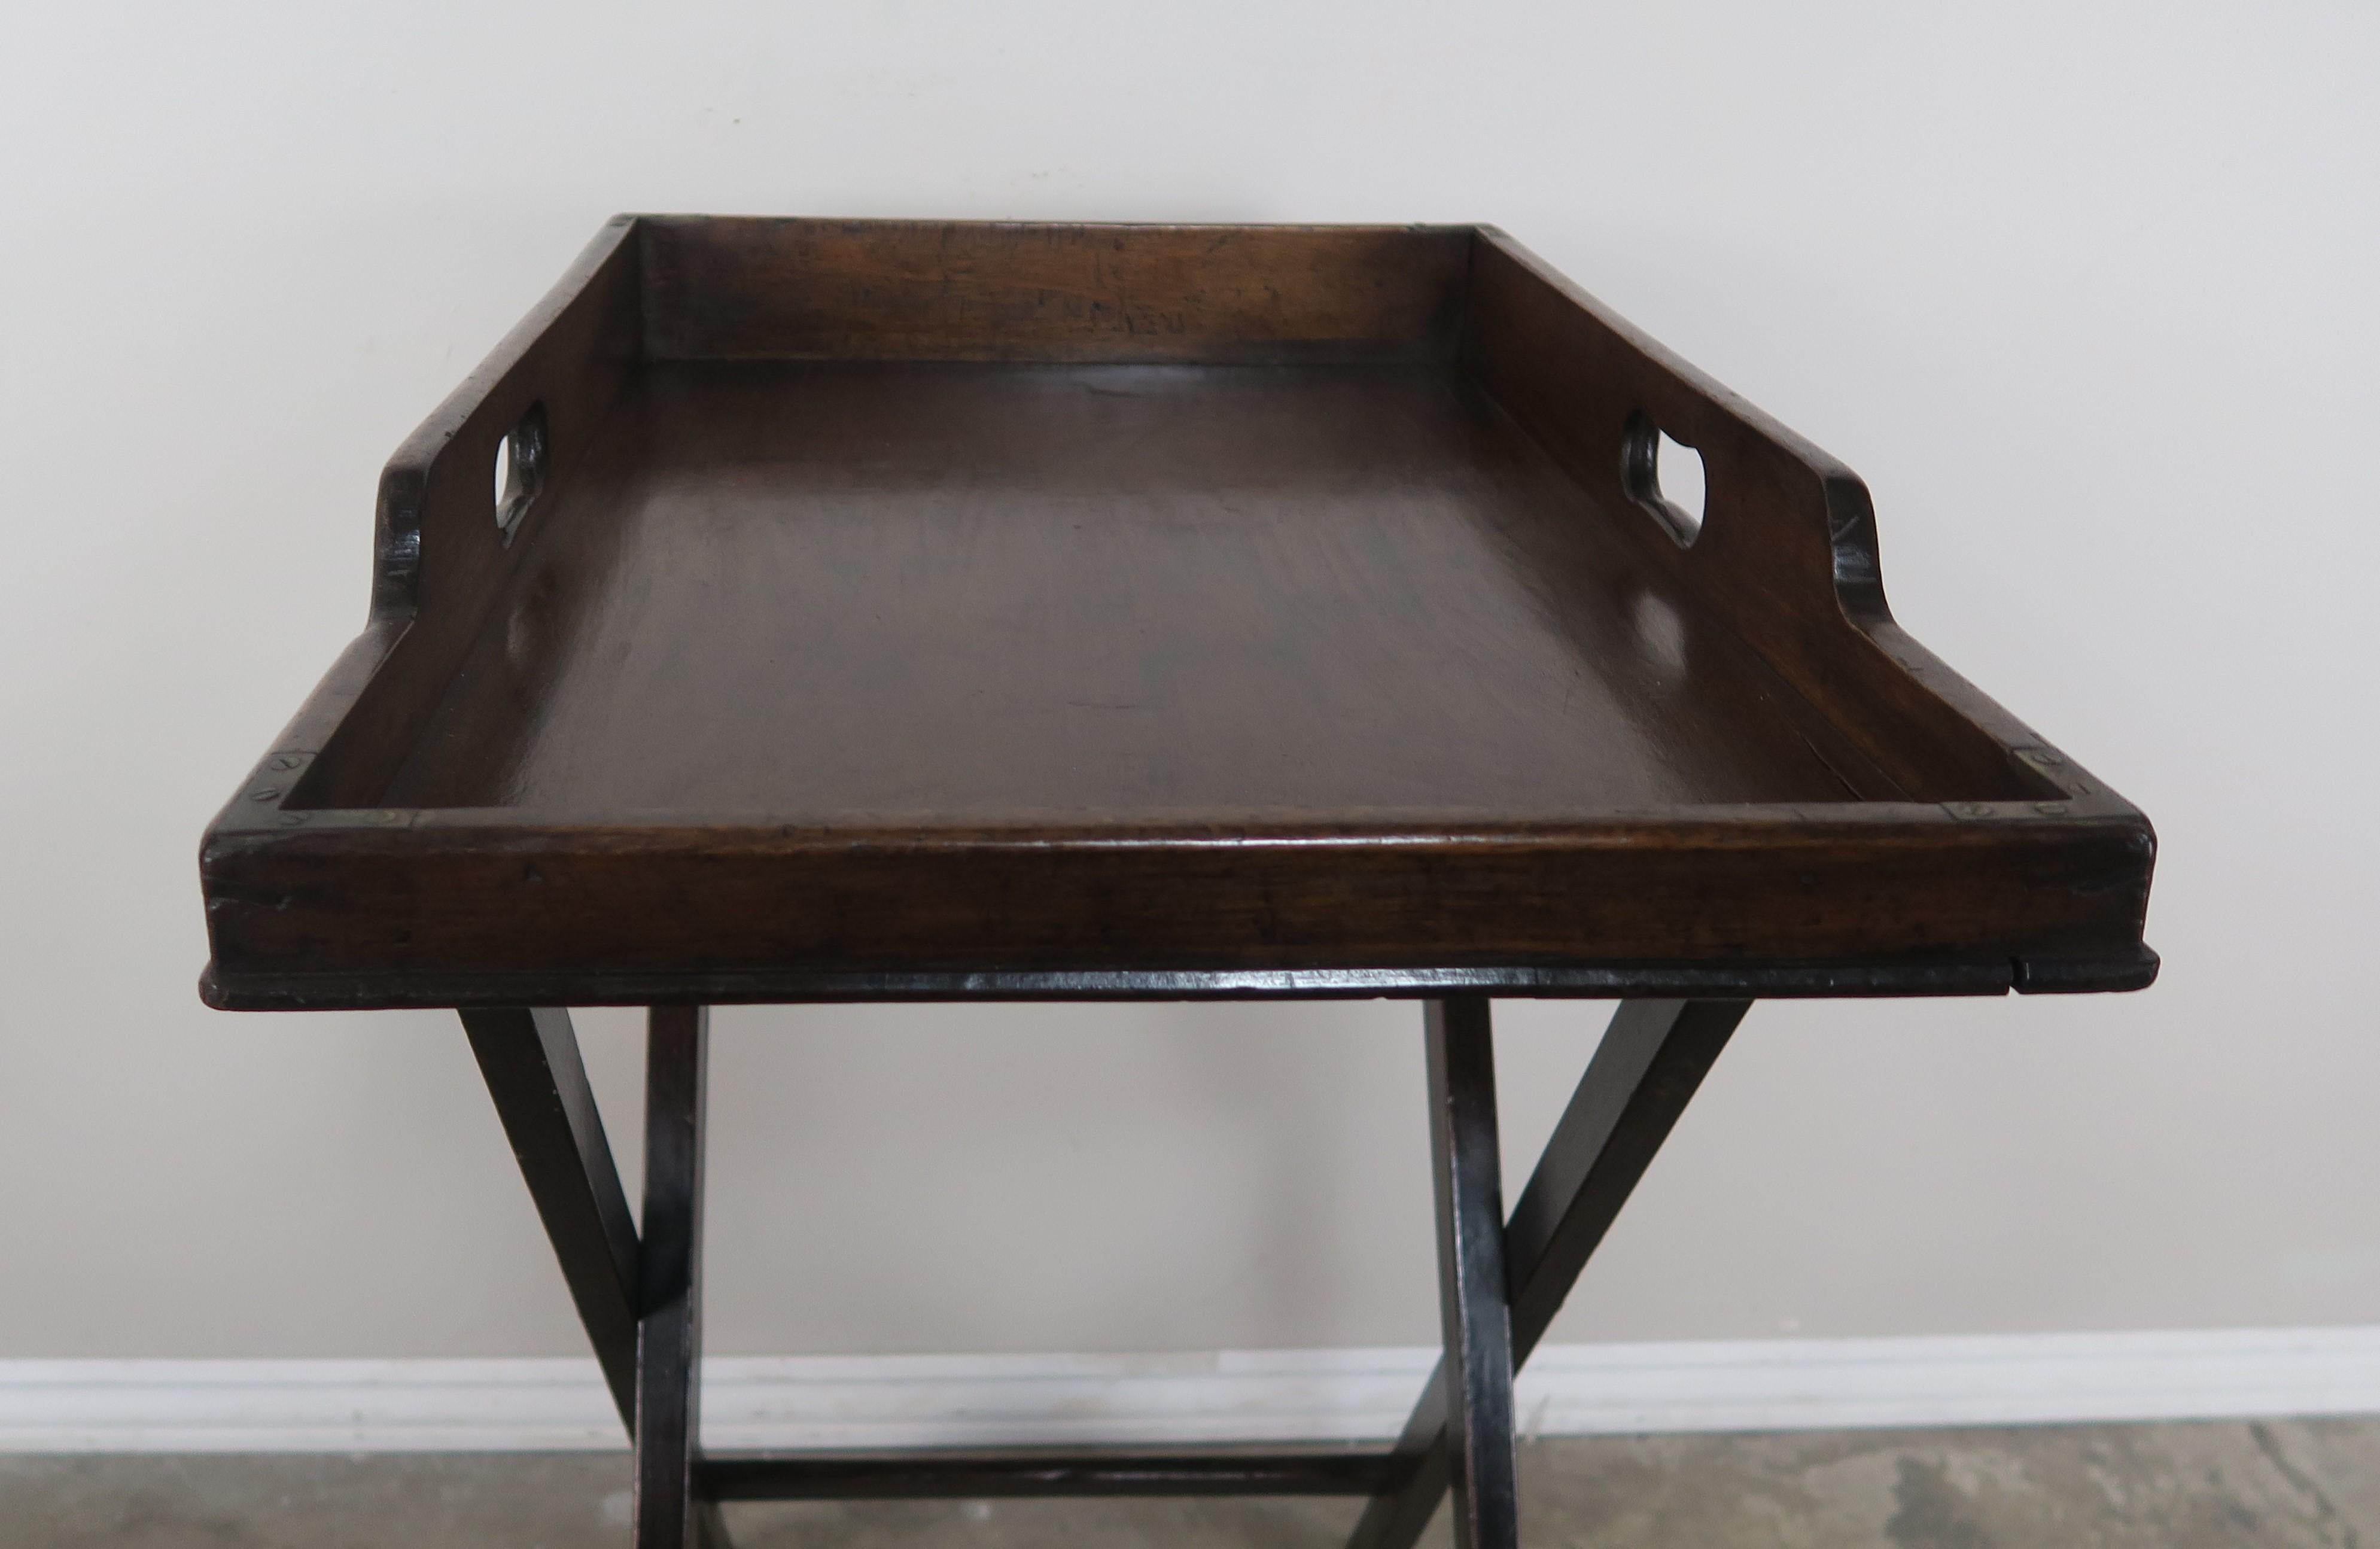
(2130, 969)
(268, 810)
(378, 897)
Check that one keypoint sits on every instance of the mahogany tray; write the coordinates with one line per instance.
(875, 610)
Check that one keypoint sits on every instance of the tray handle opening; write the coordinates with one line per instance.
(519, 469)
(1786, 550)
(1665, 476)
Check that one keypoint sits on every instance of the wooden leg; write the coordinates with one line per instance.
(531, 1061)
(668, 1515)
(1651, 1060)
(1502, 1281)
(1473, 1321)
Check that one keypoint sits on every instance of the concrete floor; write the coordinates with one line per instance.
(2294, 1483)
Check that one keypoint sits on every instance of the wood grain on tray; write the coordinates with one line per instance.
(911, 609)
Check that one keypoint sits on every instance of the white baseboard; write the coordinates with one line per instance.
(902, 1402)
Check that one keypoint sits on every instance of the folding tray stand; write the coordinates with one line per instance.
(804, 610)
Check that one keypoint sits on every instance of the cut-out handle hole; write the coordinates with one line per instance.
(1665, 476)
(1678, 479)
(519, 471)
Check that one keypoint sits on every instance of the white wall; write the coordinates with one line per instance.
(2087, 292)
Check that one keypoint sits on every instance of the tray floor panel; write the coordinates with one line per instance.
(994, 594)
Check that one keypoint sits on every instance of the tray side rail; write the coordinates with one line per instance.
(1786, 550)
(444, 538)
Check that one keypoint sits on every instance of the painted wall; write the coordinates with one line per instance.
(2086, 292)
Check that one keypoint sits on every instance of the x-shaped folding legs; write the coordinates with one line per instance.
(1500, 1281)
(642, 1302)
(1499, 1289)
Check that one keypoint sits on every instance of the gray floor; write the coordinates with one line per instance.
(2287, 1482)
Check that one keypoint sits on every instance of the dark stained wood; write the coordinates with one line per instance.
(1475, 1374)
(437, 540)
(596, 905)
(1650, 1062)
(1033, 598)
(924, 609)
(934, 1473)
(1787, 553)
(929, 290)
(531, 1061)
(1927, 975)
(668, 1510)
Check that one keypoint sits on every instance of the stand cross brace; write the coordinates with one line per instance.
(1500, 1282)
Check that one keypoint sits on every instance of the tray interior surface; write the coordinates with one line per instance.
(1012, 593)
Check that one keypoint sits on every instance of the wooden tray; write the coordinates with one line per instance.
(903, 609)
